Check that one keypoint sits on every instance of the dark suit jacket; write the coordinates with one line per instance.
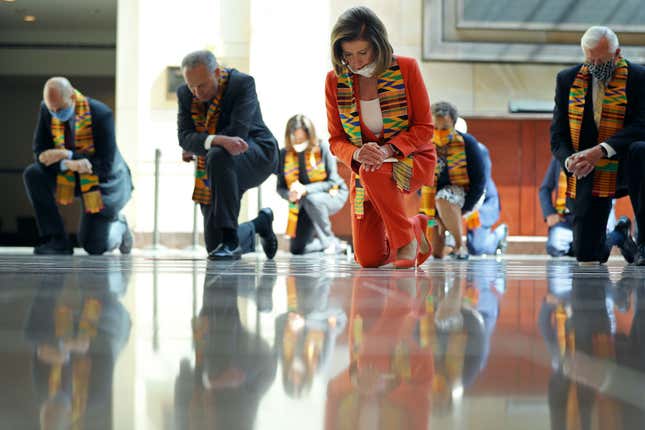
(491, 207)
(549, 184)
(114, 174)
(634, 125)
(240, 116)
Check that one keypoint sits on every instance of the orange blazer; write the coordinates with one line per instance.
(419, 134)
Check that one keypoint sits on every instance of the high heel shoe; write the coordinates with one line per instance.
(402, 263)
(418, 224)
(421, 221)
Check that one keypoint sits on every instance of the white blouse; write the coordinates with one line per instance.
(372, 116)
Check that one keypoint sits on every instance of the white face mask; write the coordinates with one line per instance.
(365, 71)
(299, 147)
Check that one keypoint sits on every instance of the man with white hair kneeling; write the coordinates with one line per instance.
(77, 156)
(598, 136)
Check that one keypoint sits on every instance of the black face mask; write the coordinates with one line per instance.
(603, 72)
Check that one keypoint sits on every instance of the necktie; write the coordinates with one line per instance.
(69, 139)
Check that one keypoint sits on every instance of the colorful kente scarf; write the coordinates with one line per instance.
(451, 147)
(473, 221)
(206, 122)
(391, 94)
(81, 364)
(316, 172)
(613, 115)
(84, 145)
(561, 194)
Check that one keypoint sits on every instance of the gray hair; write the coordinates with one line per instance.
(445, 109)
(60, 85)
(594, 35)
(198, 58)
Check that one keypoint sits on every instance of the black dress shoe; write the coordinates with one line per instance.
(225, 252)
(628, 247)
(55, 246)
(269, 240)
(127, 240)
(640, 257)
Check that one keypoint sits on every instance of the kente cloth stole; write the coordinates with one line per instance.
(391, 94)
(316, 172)
(84, 144)
(561, 194)
(473, 221)
(81, 364)
(206, 122)
(453, 148)
(614, 105)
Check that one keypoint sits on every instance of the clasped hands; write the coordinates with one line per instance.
(372, 155)
(296, 191)
(53, 156)
(582, 163)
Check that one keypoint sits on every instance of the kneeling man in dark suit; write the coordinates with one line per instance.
(597, 135)
(220, 125)
(77, 156)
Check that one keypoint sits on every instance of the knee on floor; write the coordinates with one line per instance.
(94, 248)
(369, 259)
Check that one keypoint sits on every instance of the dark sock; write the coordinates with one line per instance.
(262, 224)
(229, 237)
(615, 238)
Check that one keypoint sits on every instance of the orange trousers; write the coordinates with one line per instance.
(385, 227)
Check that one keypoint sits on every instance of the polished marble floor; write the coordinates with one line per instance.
(171, 341)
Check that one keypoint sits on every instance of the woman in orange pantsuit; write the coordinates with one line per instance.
(380, 126)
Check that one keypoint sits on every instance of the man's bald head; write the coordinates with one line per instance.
(58, 93)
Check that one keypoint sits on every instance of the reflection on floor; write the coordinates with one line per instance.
(173, 342)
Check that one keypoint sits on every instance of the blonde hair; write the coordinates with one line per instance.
(360, 23)
(300, 122)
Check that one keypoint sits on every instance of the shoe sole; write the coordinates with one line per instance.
(224, 258)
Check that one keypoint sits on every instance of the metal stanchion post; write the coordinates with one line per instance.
(155, 231)
(195, 232)
(195, 247)
(257, 237)
(155, 306)
(259, 197)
